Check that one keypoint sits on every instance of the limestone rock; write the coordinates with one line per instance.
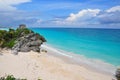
(27, 43)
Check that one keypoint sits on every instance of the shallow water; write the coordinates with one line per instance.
(101, 44)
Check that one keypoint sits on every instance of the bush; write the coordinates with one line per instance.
(9, 77)
(9, 44)
(8, 38)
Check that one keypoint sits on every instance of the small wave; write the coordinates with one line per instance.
(94, 64)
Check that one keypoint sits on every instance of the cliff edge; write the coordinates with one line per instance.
(21, 40)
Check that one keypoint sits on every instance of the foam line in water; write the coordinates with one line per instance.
(54, 50)
(96, 64)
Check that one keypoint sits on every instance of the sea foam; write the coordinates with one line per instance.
(94, 64)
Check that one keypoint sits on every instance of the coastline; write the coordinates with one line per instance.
(102, 47)
(92, 64)
(32, 65)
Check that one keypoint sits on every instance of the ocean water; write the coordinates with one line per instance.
(99, 44)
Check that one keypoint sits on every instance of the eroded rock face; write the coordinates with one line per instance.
(118, 74)
(27, 43)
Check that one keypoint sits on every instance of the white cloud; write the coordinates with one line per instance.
(8, 18)
(9, 5)
(113, 9)
(92, 17)
(110, 16)
(86, 17)
(9, 14)
(83, 15)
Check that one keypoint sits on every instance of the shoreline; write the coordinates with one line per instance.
(91, 64)
(31, 65)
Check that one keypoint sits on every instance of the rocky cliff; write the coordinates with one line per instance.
(21, 40)
(27, 43)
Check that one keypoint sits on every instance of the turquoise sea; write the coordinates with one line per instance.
(101, 44)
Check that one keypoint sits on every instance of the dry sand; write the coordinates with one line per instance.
(32, 65)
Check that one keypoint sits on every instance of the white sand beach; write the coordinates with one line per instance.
(46, 66)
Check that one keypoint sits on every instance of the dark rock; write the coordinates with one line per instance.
(43, 50)
(24, 49)
(22, 26)
(118, 74)
(40, 37)
(36, 49)
(35, 43)
(27, 43)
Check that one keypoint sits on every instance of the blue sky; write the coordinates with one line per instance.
(61, 13)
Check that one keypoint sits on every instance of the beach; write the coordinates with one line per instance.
(46, 66)
(59, 40)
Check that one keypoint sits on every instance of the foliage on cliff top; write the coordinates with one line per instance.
(8, 38)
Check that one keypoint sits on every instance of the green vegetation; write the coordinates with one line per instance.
(8, 38)
(11, 77)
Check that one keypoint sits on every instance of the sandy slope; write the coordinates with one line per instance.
(32, 66)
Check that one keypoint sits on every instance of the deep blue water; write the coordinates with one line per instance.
(103, 44)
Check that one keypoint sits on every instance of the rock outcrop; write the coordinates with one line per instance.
(118, 74)
(21, 39)
(26, 43)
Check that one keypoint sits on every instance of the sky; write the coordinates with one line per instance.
(60, 13)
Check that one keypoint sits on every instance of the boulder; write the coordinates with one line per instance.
(35, 49)
(15, 52)
(35, 43)
(118, 74)
(24, 49)
(33, 38)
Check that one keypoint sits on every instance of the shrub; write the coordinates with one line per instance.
(9, 77)
(8, 38)
(9, 44)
